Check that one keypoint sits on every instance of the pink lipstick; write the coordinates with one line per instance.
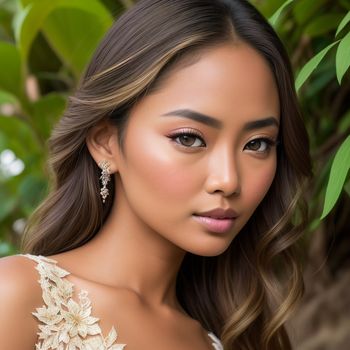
(217, 220)
(215, 225)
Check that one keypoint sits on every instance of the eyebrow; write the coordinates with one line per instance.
(217, 124)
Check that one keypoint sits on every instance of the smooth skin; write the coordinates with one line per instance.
(130, 267)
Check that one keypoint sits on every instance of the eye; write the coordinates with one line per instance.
(188, 138)
(261, 145)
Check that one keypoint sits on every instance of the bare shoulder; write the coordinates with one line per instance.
(18, 275)
(20, 294)
(18, 272)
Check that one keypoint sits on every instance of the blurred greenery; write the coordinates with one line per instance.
(45, 45)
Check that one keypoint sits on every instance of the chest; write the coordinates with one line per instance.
(76, 314)
(139, 325)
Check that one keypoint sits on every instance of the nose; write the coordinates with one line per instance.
(223, 174)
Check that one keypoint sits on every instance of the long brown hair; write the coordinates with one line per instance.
(245, 294)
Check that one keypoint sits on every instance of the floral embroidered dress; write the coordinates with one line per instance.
(66, 324)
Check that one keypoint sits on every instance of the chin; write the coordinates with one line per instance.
(210, 250)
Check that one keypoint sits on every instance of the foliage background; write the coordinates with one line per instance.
(44, 47)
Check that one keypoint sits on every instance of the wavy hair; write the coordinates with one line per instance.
(246, 294)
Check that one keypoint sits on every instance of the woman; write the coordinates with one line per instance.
(178, 169)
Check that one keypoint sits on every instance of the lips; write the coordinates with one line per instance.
(219, 213)
(215, 225)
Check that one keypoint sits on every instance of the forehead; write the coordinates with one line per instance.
(228, 81)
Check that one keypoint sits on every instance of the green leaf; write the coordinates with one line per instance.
(11, 71)
(310, 66)
(324, 75)
(267, 8)
(18, 136)
(24, 30)
(31, 191)
(46, 112)
(274, 18)
(342, 58)
(343, 23)
(304, 10)
(344, 123)
(7, 249)
(74, 35)
(6, 97)
(7, 203)
(337, 177)
(323, 24)
(31, 18)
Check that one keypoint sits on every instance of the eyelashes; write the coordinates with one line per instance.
(187, 135)
(193, 139)
(258, 141)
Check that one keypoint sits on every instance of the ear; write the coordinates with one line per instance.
(102, 143)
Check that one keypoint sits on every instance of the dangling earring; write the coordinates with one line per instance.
(105, 177)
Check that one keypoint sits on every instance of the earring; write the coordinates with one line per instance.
(105, 177)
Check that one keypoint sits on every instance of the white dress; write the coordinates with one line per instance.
(66, 324)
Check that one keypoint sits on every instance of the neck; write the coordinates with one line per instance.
(126, 253)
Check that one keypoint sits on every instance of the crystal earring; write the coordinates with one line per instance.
(105, 177)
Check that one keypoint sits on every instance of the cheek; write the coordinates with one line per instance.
(157, 170)
(258, 182)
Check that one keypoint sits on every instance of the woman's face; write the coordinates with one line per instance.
(176, 166)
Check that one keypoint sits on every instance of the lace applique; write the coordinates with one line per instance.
(67, 324)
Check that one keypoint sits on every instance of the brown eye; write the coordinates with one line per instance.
(261, 145)
(255, 145)
(188, 139)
